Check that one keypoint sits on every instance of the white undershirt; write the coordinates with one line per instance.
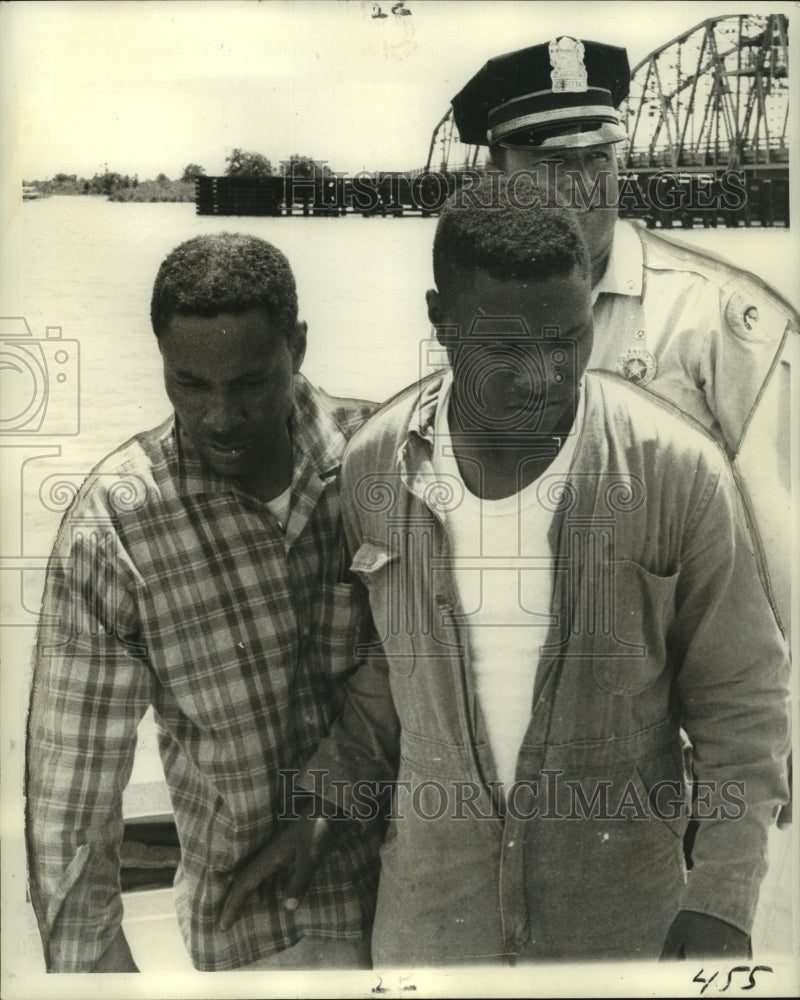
(508, 607)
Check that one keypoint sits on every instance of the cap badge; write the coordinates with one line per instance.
(569, 72)
(637, 365)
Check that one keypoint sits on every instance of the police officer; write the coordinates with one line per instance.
(710, 337)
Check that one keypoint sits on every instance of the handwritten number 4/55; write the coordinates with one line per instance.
(751, 982)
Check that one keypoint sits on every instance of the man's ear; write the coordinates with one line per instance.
(495, 161)
(297, 344)
(438, 317)
(435, 311)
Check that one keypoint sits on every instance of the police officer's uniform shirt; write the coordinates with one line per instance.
(507, 607)
(715, 341)
(692, 328)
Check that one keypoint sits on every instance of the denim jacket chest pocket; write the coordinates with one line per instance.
(629, 645)
(385, 576)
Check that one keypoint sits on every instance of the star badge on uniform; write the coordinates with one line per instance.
(637, 365)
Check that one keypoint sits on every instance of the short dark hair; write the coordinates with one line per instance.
(224, 272)
(496, 229)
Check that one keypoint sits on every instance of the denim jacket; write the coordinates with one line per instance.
(659, 623)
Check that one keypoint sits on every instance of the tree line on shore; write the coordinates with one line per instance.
(126, 187)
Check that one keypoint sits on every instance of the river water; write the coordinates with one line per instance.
(88, 267)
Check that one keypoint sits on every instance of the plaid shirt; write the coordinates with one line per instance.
(168, 588)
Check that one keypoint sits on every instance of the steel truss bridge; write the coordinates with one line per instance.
(706, 108)
(716, 96)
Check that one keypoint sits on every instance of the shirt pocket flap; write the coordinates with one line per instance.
(381, 571)
(370, 558)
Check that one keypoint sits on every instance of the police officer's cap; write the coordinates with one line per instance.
(555, 95)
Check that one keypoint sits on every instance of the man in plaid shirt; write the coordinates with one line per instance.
(198, 572)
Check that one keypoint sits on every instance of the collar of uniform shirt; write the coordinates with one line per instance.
(623, 274)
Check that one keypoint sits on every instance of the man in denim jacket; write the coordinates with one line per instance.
(559, 583)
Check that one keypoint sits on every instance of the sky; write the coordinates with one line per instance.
(151, 86)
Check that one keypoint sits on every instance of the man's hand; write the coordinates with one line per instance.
(117, 956)
(295, 851)
(697, 935)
